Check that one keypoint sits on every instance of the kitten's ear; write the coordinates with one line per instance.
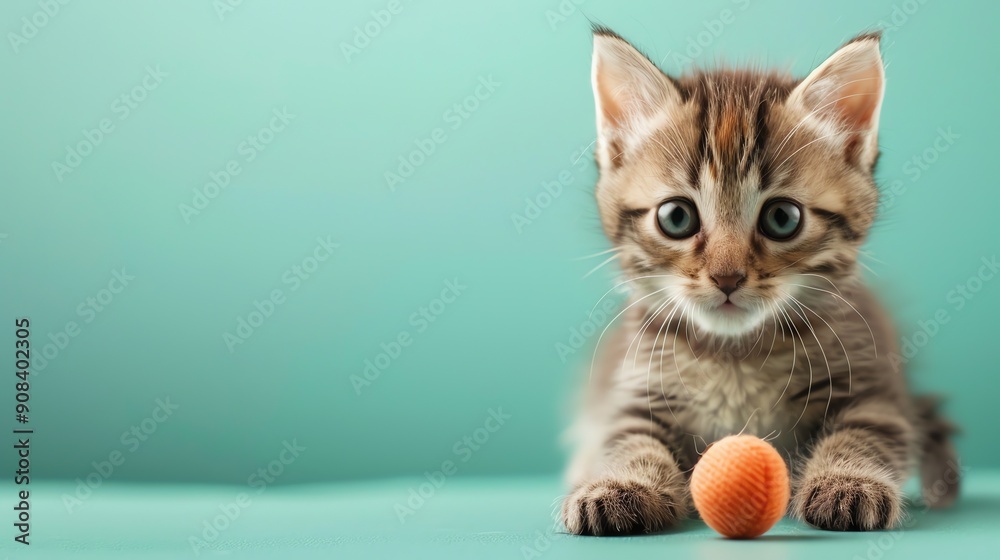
(847, 91)
(628, 90)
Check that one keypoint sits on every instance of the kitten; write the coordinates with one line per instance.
(737, 201)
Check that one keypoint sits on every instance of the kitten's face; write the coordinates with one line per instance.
(734, 196)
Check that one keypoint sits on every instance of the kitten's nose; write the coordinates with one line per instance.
(728, 283)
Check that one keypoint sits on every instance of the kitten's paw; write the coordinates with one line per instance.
(848, 502)
(621, 507)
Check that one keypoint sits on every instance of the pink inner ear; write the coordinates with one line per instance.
(610, 105)
(858, 95)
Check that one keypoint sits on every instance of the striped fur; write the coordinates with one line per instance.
(804, 356)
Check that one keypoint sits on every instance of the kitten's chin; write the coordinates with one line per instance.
(726, 320)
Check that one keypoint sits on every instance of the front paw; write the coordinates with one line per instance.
(848, 502)
(621, 507)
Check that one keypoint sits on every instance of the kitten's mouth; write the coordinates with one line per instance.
(727, 318)
(729, 308)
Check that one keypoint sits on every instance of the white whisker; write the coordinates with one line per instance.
(870, 331)
(791, 371)
(598, 267)
(597, 254)
(805, 351)
(603, 332)
(620, 284)
(663, 329)
(829, 398)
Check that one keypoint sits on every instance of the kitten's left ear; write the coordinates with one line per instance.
(846, 90)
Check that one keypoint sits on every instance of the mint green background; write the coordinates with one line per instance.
(324, 176)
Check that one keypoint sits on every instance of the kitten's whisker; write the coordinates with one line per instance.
(774, 336)
(695, 438)
(649, 366)
(870, 331)
(620, 284)
(599, 253)
(847, 356)
(642, 330)
(868, 268)
(584, 151)
(670, 317)
(673, 351)
(797, 261)
(791, 371)
(760, 335)
(870, 255)
(748, 422)
(598, 345)
(598, 267)
(686, 317)
(829, 371)
(805, 351)
(647, 319)
(820, 276)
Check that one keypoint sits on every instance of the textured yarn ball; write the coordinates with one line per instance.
(740, 486)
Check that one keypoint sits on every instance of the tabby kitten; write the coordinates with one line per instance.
(737, 201)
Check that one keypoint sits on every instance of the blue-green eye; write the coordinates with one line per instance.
(678, 218)
(780, 220)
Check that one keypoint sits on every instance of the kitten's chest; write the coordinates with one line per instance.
(727, 395)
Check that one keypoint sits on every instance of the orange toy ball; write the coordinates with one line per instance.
(740, 486)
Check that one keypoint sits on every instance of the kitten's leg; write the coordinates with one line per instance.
(638, 487)
(853, 479)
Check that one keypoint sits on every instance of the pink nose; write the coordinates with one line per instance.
(729, 283)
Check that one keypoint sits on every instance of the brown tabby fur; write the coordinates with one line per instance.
(807, 360)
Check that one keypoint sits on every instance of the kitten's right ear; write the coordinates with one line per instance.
(628, 91)
(847, 90)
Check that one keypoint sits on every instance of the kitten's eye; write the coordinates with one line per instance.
(678, 218)
(780, 219)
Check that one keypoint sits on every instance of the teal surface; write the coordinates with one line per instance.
(481, 518)
(195, 208)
